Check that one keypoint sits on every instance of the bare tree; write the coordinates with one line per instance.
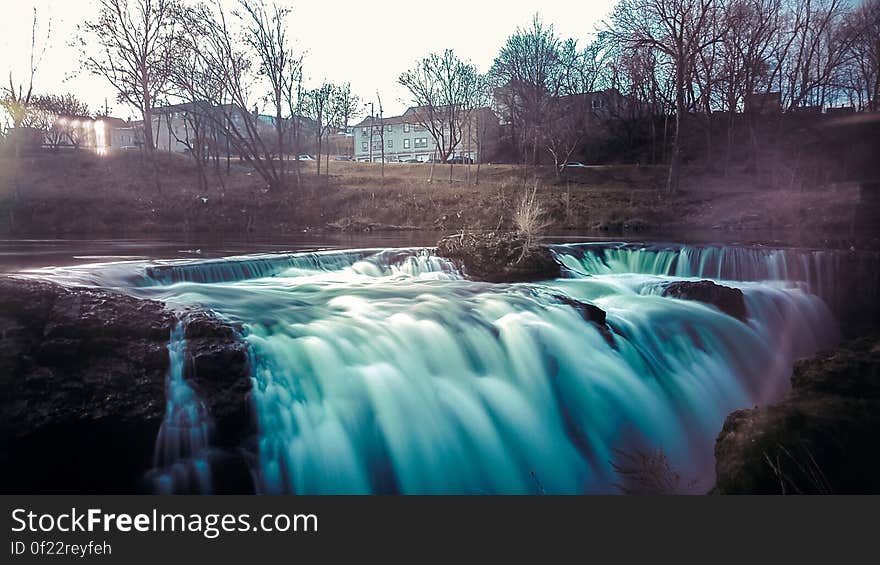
(266, 33)
(132, 45)
(295, 98)
(817, 50)
(746, 65)
(54, 114)
(679, 29)
(526, 76)
(348, 104)
(227, 94)
(17, 96)
(863, 24)
(319, 106)
(441, 86)
(344, 106)
(194, 85)
(565, 125)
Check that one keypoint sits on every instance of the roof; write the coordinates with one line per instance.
(114, 122)
(408, 117)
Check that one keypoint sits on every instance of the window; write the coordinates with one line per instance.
(377, 145)
(598, 103)
(389, 143)
(418, 128)
(405, 129)
(421, 142)
(405, 142)
(364, 131)
(389, 128)
(364, 146)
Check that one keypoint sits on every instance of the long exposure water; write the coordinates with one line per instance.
(385, 370)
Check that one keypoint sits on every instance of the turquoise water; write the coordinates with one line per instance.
(387, 371)
(182, 457)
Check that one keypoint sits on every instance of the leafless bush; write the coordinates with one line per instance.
(647, 472)
(530, 217)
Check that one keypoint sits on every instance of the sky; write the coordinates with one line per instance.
(365, 43)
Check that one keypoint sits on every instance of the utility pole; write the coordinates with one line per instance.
(372, 119)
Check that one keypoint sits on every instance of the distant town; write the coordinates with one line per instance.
(659, 82)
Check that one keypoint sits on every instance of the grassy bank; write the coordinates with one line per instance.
(82, 193)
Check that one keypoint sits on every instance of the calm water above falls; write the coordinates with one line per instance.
(386, 371)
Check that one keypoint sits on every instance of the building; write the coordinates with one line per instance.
(177, 127)
(122, 134)
(101, 133)
(764, 103)
(405, 139)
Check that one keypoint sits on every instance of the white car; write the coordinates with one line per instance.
(306, 158)
(574, 164)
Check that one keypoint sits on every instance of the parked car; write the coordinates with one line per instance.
(410, 161)
(460, 160)
(573, 165)
(342, 158)
(306, 158)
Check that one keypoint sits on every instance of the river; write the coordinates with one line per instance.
(377, 367)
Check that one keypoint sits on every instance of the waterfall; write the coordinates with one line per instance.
(250, 267)
(387, 371)
(848, 281)
(816, 268)
(392, 374)
(181, 458)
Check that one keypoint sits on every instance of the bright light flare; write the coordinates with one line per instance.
(100, 134)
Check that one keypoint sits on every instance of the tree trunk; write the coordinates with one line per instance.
(149, 144)
(320, 147)
(675, 162)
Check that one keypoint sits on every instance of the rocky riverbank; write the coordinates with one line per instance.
(82, 387)
(821, 439)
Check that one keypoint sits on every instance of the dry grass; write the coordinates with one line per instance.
(530, 218)
(798, 473)
(78, 191)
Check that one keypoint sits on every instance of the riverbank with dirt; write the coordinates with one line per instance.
(69, 194)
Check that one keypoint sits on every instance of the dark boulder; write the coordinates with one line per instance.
(219, 373)
(82, 386)
(822, 438)
(499, 257)
(590, 313)
(728, 300)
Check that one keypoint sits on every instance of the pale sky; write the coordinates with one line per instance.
(365, 43)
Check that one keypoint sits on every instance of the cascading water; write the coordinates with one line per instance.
(388, 372)
(181, 459)
(820, 271)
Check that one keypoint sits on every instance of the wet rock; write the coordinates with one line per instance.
(499, 257)
(82, 392)
(822, 438)
(82, 387)
(590, 313)
(219, 373)
(728, 300)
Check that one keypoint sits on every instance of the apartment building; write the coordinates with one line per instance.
(405, 140)
(174, 128)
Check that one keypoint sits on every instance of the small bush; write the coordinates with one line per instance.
(530, 218)
(647, 472)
